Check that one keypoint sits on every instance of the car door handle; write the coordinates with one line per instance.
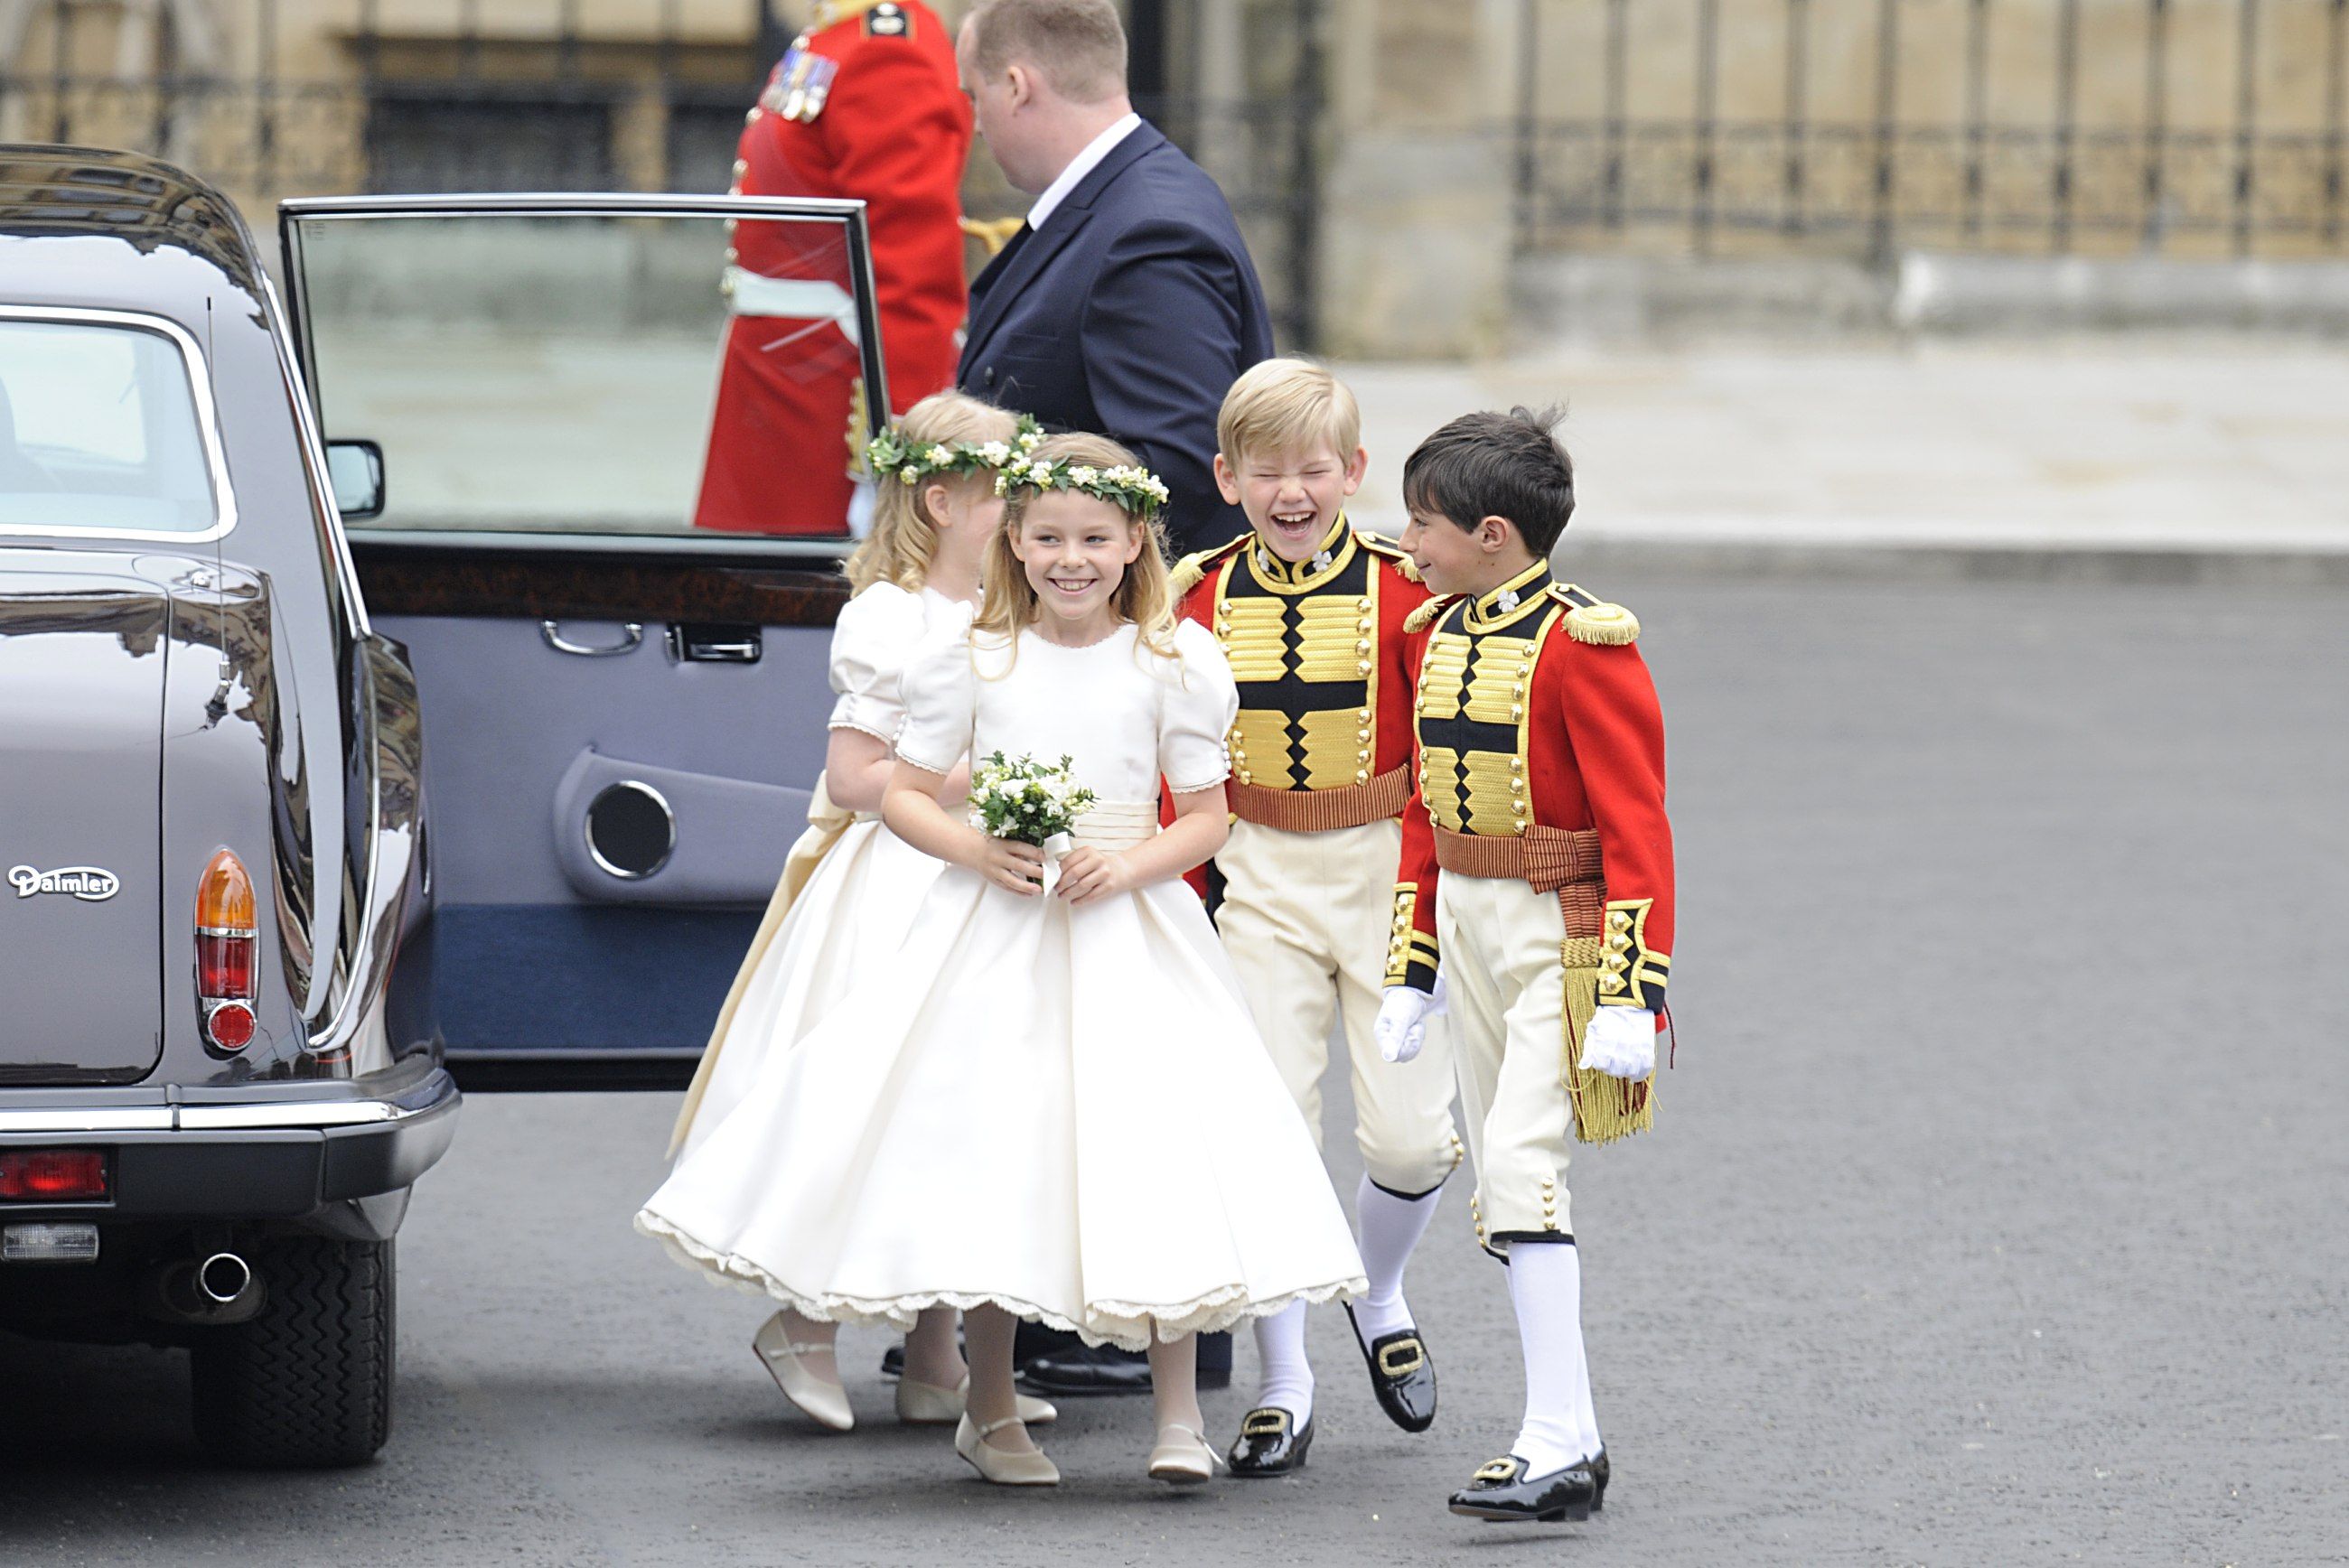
(714, 643)
(553, 631)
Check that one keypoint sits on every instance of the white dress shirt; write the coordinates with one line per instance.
(1082, 164)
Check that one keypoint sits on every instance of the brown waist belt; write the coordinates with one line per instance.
(1563, 861)
(1321, 811)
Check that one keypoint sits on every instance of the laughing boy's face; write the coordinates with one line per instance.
(1292, 498)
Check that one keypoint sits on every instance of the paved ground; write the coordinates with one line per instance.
(1994, 1215)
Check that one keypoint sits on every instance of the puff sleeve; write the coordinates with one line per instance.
(878, 633)
(941, 688)
(1197, 705)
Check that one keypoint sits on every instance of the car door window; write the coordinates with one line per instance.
(525, 369)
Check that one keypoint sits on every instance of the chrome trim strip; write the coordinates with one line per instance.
(199, 387)
(291, 1113)
(314, 461)
(573, 204)
(92, 1118)
(753, 550)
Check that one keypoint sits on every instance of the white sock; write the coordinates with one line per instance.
(1391, 1228)
(1288, 1378)
(1545, 1288)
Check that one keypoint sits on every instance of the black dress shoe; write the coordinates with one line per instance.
(1089, 1369)
(1270, 1443)
(892, 1361)
(1402, 1375)
(1503, 1493)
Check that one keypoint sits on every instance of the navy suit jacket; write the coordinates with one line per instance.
(1130, 313)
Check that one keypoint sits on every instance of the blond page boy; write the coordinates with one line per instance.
(1311, 612)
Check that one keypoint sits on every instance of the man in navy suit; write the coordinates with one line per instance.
(1127, 304)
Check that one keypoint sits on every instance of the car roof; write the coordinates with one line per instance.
(112, 228)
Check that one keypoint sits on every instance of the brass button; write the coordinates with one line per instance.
(1619, 920)
(1364, 667)
(1610, 982)
(740, 169)
(1364, 715)
(753, 117)
(1362, 604)
(1619, 943)
(1362, 777)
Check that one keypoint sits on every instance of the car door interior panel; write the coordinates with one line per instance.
(623, 702)
(640, 834)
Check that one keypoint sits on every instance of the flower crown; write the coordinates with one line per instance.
(1136, 490)
(891, 452)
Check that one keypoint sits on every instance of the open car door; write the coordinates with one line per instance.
(564, 432)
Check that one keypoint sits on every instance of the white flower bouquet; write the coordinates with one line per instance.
(1026, 800)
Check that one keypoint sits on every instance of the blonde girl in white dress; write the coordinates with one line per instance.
(1055, 1105)
(851, 887)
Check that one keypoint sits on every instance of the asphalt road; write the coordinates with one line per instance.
(1995, 1215)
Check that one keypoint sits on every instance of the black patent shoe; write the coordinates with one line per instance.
(1270, 1443)
(1088, 1370)
(1402, 1375)
(1503, 1493)
(892, 1361)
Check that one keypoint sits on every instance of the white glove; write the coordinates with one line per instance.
(1620, 1042)
(1401, 1028)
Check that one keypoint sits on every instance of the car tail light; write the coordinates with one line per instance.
(226, 939)
(52, 1175)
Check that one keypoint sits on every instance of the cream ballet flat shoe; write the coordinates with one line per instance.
(1001, 1466)
(826, 1403)
(931, 1405)
(1182, 1457)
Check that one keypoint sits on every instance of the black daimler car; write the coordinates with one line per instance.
(373, 721)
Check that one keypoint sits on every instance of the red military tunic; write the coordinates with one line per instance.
(865, 106)
(1535, 707)
(1325, 669)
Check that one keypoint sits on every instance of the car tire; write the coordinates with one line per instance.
(307, 1383)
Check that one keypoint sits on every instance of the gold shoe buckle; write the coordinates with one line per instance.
(1267, 1423)
(1497, 1470)
(1401, 1357)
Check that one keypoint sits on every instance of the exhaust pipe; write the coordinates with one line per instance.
(223, 1277)
(218, 1288)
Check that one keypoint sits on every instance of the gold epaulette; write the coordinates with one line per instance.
(1590, 619)
(1419, 619)
(1387, 551)
(992, 232)
(1192, 569)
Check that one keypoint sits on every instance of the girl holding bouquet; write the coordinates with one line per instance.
(1014, 1121)
(851, 887)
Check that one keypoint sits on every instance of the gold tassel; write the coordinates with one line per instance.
(1418, 620)
(1604, 626)
(1187, 574)
(1605, 1107)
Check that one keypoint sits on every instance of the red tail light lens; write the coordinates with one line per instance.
(227, 938)
(52, 1175)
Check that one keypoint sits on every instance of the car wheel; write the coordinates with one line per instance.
(307, 1381)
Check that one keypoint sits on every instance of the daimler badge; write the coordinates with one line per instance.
(91, 884)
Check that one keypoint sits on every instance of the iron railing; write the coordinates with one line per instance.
(1870, 126)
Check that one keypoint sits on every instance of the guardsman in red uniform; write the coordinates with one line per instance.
(1311, 613)
(865, 105)
(1536, 869)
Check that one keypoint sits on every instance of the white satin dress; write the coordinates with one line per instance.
(849, 916)
(1064, 1111)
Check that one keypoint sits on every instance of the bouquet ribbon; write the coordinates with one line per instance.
(1056, 849)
